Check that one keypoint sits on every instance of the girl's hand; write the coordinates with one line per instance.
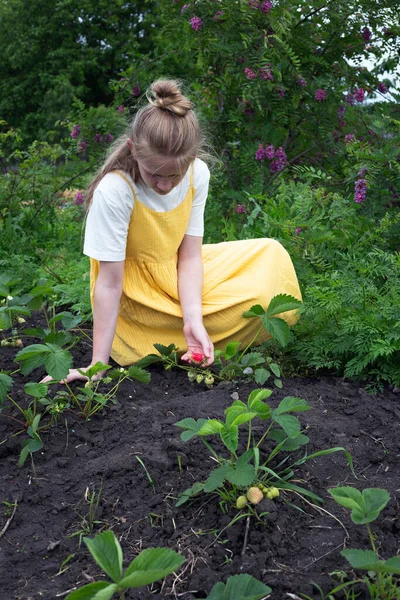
(198, 343)
(73, 375)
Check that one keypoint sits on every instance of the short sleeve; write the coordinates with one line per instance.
(201, 180)
(108, 219)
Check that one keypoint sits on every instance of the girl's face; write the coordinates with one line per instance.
(160, 175)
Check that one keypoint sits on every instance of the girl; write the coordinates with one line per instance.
(152, 281)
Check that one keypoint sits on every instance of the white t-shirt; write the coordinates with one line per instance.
(110, 212)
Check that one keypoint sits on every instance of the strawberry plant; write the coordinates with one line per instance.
(150, 565)
(232, 362)
(366, 507)
(252, 467)
(242, 586)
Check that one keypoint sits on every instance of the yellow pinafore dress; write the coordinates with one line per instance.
(237, 275)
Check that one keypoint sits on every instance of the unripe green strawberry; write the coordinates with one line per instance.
(241, 502)
(199, 378)
(209, 380)
(254, 495)
(21, 320)
(3, 343)
(191, 375)
(274, 491)
(269, 495)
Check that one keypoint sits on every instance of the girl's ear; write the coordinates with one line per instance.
(131, 146)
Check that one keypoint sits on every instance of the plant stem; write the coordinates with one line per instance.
(251, 342)
(264, 436)
(211, 450)
(249, 437)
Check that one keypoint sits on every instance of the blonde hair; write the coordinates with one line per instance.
(166, 127)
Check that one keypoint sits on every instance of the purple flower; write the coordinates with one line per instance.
(79, 199)
(97, 138)
(301, 82)
(360, 191)
(341, 110)
(217, 15)
(366, 33)
(265, 74)
(196, 23)
(82, 146)
(349, 137)
(281, 92)
(266, 7)
(109, 137)
(76, 131)
(269, 152)
(382, 87)
(254, 4)
(350, 99)
(359, 94)
(250, 73)
(121, 108)
(136, 90)
(280, 161)
(320, 95)
(263, 153)
(298, 230)
(260, 153)
(184, 8)
(241, 208)
(362, 172)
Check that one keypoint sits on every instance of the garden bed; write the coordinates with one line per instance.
(295, 544)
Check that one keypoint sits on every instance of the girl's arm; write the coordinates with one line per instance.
(107, 294)
(190, 289)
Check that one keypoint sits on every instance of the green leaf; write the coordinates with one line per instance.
(292, 404)
(392, 565)
(290, 444)
(242, 474)
(28, 447)
(255, 311)
(375, 500)
(275, 369)
(282, 303)
(69, 321)
(362, 559)
(289, 423)
(107, 553)
(216, 478)
(231, 349)
(101, 590)
(6, 383)
(5, 322)
(194, 490)
(211, 427)
(230, 438)
(58, 362)
(165, 350)
(191, 427)
(243, 586)
(139, 374)
(261, 376)
(37, 390)
(151, 565)
(278, 329)
(251, 359)
(257, 395)
(60, 338)
(148, 360)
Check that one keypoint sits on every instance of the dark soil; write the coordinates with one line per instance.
(295, 544)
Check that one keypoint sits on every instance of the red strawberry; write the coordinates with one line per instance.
(197, 357)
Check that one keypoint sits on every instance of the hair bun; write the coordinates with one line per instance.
(166, 95)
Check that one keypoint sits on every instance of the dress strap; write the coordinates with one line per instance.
(128, 182)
